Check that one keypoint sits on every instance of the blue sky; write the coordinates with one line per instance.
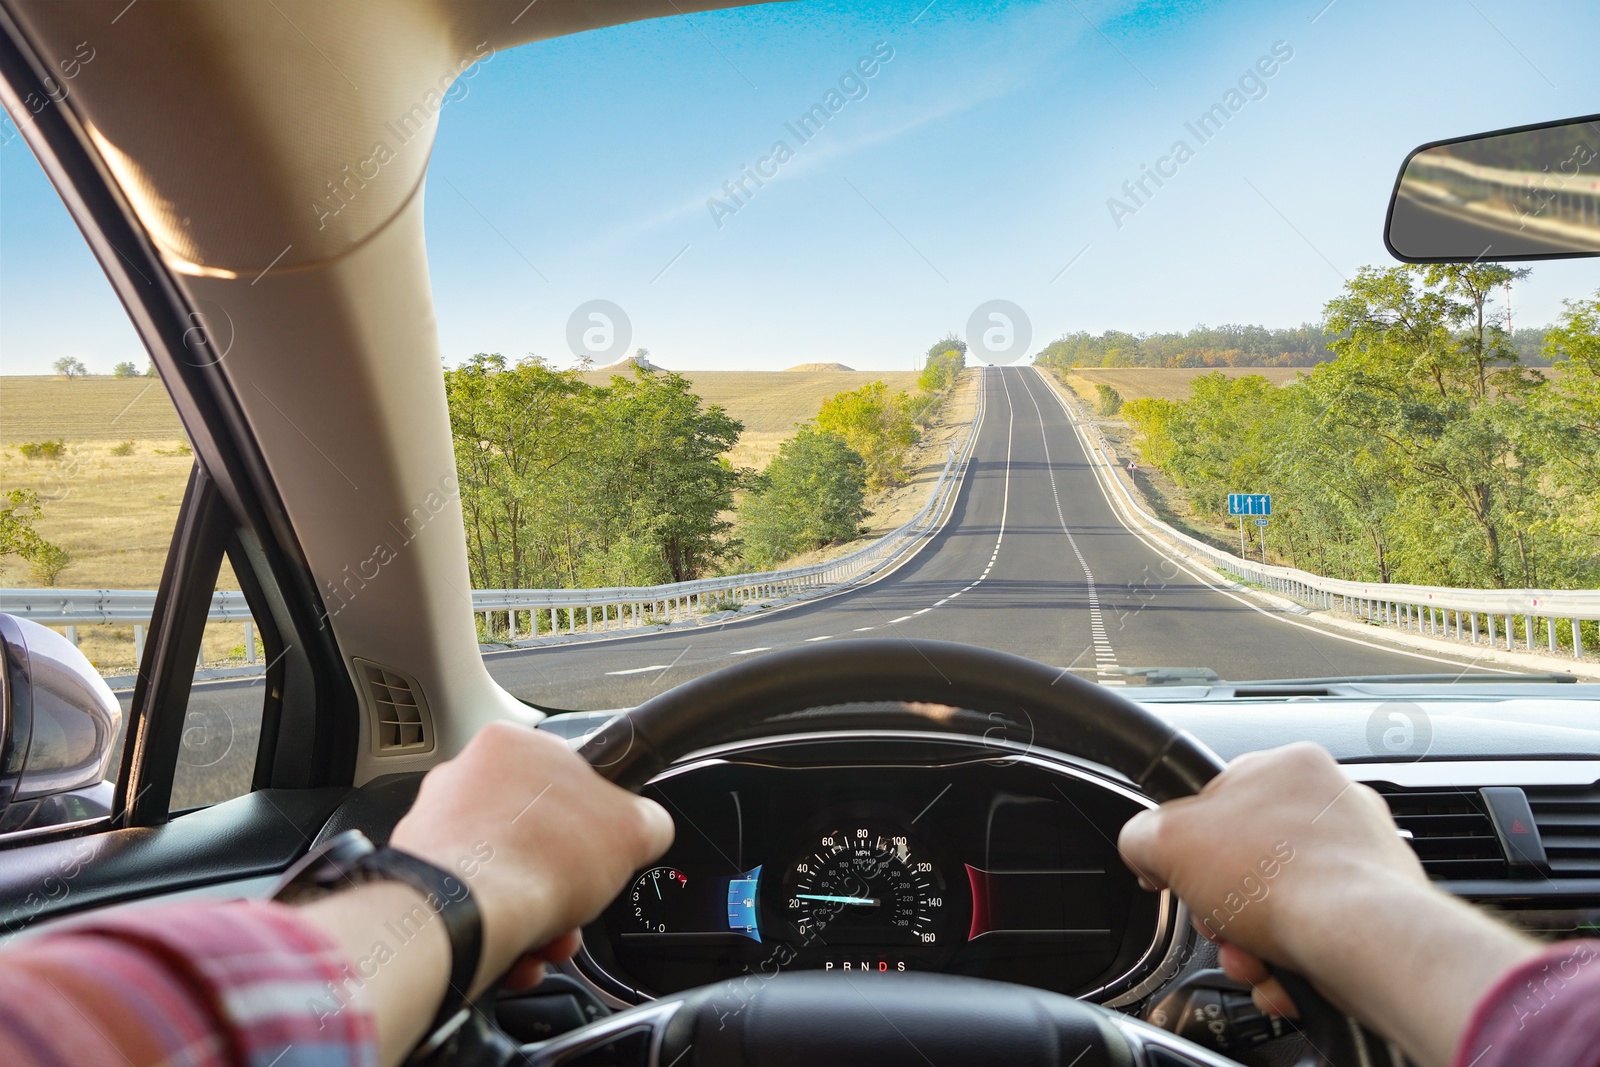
(975, 164)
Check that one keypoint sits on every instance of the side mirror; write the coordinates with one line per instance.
(59, 725)
(1528, 193)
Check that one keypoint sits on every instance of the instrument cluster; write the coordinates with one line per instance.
(882, 857)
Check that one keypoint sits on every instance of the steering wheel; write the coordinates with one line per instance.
(805, 1018)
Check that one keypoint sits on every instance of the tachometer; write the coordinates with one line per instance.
(864, 884)
(659, 901)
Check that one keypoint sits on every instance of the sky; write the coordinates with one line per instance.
(982, 160)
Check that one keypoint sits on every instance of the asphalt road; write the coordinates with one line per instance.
(1031, 560)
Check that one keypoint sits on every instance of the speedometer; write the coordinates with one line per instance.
(864, 884)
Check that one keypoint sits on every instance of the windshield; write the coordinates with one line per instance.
(1065, 329)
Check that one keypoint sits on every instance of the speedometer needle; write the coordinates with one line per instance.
(837, 900)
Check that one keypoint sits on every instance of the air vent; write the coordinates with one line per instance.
(1450, 831)
(1568, 818)
(400, 720)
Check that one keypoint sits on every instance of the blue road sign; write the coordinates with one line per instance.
(1249, 503)
(1261, 522)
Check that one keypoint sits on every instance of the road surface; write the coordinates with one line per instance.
(1031, 560)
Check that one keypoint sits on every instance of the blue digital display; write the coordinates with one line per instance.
(742, 904)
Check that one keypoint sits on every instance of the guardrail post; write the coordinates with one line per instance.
(1577, 640)
(1511, 633)
(1550, 628)
(72, 635)
(138, 642)
(1490, 617)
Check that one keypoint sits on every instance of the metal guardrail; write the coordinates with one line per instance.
(553, 611)
(1433, 610)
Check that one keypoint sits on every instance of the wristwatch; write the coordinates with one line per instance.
(350, 859)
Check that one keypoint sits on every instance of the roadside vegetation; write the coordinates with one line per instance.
(1225, 346)
(564, 483)
(814, 492)
(1428, 451)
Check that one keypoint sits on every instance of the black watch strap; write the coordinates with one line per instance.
(350, 859)
(449, 896)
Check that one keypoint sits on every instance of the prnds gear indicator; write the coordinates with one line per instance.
(742, 917)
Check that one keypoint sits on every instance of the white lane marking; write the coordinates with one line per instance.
(641, 670)
(747, 651)
(924, 611)
(824, 637)
(862, 629)
(902, 618)
(1097, 637)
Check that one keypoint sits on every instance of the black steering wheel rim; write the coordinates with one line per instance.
(1030, 702)
(933, 681)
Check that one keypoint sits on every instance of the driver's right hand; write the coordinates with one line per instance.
(1265, 853)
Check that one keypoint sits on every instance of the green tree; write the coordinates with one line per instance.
(947, 357)
(810, 495)
(1110, 401)
(661, 460)
(520, 432)
(125, 370)
(877, 424)
(70, 368)
(565, 484)
(19, 510)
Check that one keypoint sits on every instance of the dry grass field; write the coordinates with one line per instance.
(1168, 383)
(114, 514)
(46, 407)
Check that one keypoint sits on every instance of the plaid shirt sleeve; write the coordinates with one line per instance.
(1545, 1012)
(200, 984)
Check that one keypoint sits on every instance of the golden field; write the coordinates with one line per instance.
(1167, 383)
(114, 514)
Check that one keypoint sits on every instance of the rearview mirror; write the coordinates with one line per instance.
(1528, 193)
(59, 724)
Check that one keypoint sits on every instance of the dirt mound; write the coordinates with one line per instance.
(822, 366)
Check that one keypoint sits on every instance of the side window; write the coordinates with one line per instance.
(93, 468)
(222, 728)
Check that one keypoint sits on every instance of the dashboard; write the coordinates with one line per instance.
(874, 855)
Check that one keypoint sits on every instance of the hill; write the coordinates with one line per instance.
(819, 366)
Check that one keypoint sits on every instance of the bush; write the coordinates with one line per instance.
(125, 448)
(946, 359)
(810, 495)
(43, 449)
(878, 425)
(1110, 401)
(19, 510)
(125, 370)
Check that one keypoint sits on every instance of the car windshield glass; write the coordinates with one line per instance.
(1010, 324)
(1062, 329)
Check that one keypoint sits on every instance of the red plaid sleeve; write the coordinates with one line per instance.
(207, 983)
(1545, 1012)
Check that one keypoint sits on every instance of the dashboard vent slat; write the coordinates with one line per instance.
(400, 721)
(1450, 832)
(1568, 818)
